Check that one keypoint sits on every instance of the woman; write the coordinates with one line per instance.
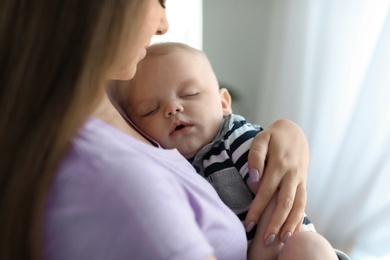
(76, 181)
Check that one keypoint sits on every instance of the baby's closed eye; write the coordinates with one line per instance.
(150, 112)
(189, 94)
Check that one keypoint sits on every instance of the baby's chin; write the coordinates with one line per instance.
(188, 152)
(188, 155)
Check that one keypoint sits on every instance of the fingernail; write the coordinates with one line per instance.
(254, 175)
(286, 236)
(270, 240)
(249, 226)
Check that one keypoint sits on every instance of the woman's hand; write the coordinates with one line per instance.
(280, 154)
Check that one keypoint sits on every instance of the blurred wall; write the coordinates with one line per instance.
(232, 40)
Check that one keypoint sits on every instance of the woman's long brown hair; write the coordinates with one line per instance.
(54, 56)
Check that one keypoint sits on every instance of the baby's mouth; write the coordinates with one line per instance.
(180, 129)
(177, 128)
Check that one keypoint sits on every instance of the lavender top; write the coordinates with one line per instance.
(115, 197)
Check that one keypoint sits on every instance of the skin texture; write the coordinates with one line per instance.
(307, 245)
(177, 102)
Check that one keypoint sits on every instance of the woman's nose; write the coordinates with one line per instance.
(173, 108)
(164, 25)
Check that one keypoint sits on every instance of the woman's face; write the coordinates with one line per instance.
(149, 19)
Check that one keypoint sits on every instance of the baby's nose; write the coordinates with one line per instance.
(173, 109)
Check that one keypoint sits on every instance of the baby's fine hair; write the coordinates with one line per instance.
(153, 51)
(163, 48)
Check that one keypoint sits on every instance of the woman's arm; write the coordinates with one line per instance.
(280, 154)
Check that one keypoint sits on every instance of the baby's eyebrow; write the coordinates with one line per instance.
(141, 101)
(145, 105)
(186, 83)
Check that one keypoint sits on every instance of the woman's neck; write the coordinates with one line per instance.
(108, 114)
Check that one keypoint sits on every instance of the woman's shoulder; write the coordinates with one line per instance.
(106, 191)
(98, 134)
(110, 187)
(100, 155)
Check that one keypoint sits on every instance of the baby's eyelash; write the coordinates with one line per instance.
(190, 95)
(151, 112)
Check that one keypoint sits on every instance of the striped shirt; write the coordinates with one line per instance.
(224, 163)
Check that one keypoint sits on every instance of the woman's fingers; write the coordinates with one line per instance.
(258, 153)
(293, 221)
(280, 154)
(268, 185)
(284, 205)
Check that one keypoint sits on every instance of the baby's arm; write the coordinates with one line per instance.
(258, 250)
(307, 245)
(301, 245)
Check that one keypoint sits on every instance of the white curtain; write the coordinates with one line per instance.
(328, 69)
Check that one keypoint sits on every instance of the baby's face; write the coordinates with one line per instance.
(175, 99)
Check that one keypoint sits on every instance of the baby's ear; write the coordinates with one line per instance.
(226, 101)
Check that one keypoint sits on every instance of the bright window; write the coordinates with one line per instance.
(185, 23)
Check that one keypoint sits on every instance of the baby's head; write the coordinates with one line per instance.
(175, 98)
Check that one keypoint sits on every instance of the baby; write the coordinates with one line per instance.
(176, 100)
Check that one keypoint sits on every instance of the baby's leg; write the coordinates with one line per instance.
(258, 250)
(307, 245)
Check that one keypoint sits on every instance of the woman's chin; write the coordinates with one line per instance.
(124, 74)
